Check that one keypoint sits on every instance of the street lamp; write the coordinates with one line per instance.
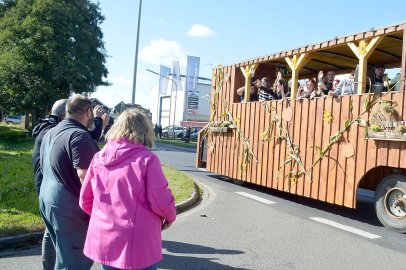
(170, 103)
(136, 55)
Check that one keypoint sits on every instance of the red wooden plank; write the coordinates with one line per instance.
(317, 141)
(333, 153)
(310, 143)
(324, 173)
(266, 158)
(260, 146)
(351, 162)
(297, 121)
(303, 143)
(340, 168)
(253, 127)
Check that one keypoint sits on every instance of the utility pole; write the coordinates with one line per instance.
(136, 55)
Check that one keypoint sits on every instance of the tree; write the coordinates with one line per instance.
(49, 49)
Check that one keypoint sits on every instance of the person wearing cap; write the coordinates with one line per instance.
(379, 83)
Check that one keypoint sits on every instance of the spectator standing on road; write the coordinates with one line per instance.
(156, 130)
(57, 115)
(66, 153)
(187, 134)
(160, 131)
(127, 197)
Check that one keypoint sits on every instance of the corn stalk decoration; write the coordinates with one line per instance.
(294, 154)
(339, 135)
(247, 153)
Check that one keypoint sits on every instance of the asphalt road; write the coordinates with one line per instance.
(273, 230)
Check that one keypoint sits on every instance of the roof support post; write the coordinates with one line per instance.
(403, 70)
(363, 51)
(295, 64)
(248, 72)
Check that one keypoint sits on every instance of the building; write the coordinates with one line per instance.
(179, 108)
(120, 107)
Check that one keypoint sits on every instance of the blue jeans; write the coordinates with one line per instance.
(48, 252)
(152, 267)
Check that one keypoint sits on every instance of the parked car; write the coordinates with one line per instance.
(172, 132)
(193, 136)
(13, 119)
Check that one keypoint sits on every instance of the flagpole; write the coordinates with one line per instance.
(136, 55)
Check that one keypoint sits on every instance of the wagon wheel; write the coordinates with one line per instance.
(390, 202)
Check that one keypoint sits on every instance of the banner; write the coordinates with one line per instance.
(192, 77)
(163, 79)
(176, 75)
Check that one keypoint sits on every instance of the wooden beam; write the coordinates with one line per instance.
(326, 63)
(248, 71)
(389, 53)
(363, 51)
(403, 70)
(340, 54)
(395, 38)
(295, 64)
(332, 61)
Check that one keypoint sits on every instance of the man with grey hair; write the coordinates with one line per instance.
(66, 153)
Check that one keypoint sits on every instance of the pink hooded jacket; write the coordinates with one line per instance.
(126, 195)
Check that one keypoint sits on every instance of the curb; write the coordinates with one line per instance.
(191, 201)
(30, 238)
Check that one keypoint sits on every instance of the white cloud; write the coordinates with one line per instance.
(120, 81)
(198, 30)
(121, 89)
(163, 52)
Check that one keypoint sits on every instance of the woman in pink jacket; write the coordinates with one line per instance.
(127, 197)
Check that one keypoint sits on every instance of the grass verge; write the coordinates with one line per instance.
(180, 143)
(18, 200)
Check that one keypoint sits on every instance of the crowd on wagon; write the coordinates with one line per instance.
(262, 89)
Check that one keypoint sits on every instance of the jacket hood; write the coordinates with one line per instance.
(46, 123)
(116, 151)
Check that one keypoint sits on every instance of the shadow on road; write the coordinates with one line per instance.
(189, 262)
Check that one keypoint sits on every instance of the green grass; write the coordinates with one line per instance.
(18, 200)
(180, 184)
(181, 143)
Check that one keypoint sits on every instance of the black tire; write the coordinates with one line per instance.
(390, 202)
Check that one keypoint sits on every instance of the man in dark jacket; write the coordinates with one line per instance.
(52, 120)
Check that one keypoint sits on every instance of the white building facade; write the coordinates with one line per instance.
(176, 107)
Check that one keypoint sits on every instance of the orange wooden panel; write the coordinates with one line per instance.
(324, 173)
(340, 168)
(361, 144)
(297, 120)
(260, 146)
(282, 156)
(303, 142)
(251, 170)
(310, 143)
(291, 187)
(318, 135)
(333, 153)
(351, 162)
(244, 116)
(234, 142)
(267, 166)
(279, 149)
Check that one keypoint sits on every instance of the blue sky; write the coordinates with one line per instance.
(221, 32)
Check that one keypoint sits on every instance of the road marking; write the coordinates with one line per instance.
(255, 197)
(346, 228)
(202, 169)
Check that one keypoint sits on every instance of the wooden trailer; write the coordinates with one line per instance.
(323, 148)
